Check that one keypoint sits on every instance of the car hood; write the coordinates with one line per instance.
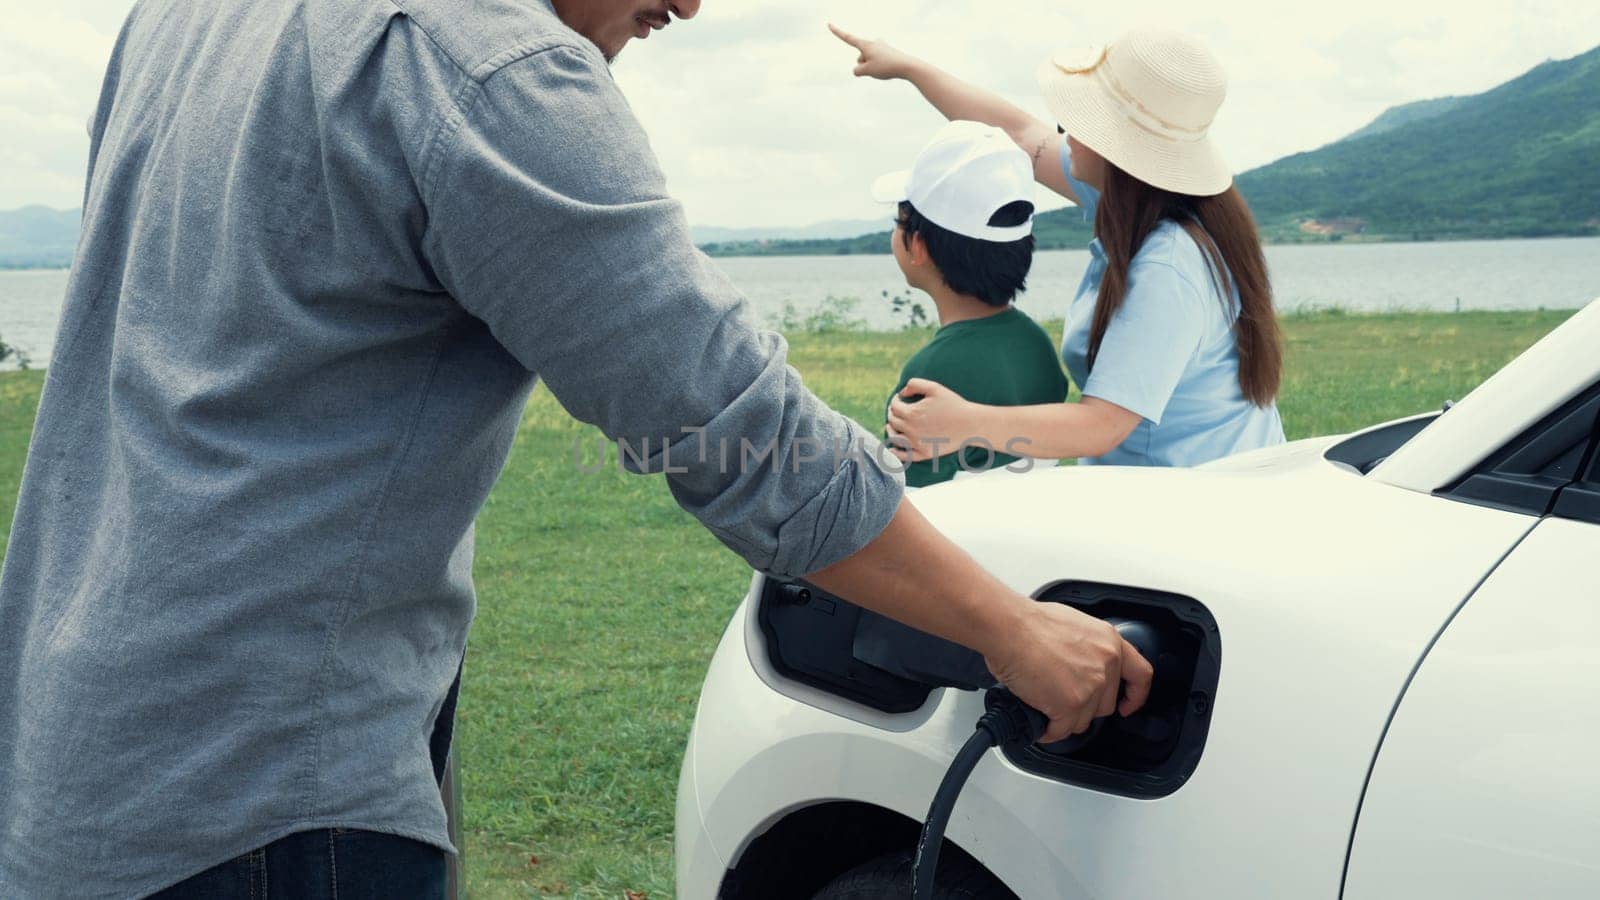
(1292, 454)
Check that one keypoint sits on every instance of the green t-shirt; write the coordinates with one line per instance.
(1004, 359)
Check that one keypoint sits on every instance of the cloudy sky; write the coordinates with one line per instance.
(757, 121)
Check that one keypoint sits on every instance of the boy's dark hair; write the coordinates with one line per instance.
(990, 270)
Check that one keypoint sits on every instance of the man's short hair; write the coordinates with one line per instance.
(993, 272)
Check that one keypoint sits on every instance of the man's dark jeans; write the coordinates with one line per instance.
(322, 865)
(336, 863)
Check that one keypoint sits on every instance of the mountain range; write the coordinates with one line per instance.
(1519, 160)
(833, 229)
(37, 237)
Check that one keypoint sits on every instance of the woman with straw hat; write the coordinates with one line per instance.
(1172, 338)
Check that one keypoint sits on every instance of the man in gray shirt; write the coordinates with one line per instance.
(327, 247)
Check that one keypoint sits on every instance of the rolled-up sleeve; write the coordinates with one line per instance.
(550, 221)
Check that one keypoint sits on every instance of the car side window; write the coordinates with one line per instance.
(1531, 472)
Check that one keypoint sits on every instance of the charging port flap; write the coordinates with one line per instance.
(811, 638)
(824, 641)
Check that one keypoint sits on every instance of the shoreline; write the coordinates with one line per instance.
(1352, 240)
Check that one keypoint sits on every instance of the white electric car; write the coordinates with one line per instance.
(1378, 677)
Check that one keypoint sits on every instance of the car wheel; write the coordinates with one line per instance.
(958, 878)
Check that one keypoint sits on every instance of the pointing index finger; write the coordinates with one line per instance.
(845, 36)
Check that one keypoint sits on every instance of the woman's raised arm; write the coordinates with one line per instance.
(957, 99)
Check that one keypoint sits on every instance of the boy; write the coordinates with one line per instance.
(964, 237)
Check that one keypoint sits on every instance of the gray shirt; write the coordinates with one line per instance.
(327, 246)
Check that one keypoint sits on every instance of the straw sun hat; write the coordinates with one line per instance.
(1145, 103)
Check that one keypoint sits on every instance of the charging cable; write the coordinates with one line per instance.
(1006, 720)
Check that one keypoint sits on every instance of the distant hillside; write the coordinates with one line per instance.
(1405, 114)
(832, 229)
(1521, 160)
(35, 237)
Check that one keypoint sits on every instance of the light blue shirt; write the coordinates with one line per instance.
(1168, 355)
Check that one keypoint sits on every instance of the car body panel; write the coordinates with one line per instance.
(1325, 603)
(1486, 785)
(697, 862)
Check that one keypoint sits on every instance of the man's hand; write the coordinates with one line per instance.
(1071, 667)
(878, 59)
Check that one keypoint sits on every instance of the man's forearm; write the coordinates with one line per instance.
(916, 575)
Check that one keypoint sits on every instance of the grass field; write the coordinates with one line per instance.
(600, 602)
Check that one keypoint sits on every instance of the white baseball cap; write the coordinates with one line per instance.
(962, 178)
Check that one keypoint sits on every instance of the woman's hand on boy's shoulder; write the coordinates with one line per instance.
(928, 419)
(878, 59)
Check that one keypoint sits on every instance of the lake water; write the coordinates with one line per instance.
(1556, 273)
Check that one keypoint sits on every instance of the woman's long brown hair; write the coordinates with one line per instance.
(1226, 231)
